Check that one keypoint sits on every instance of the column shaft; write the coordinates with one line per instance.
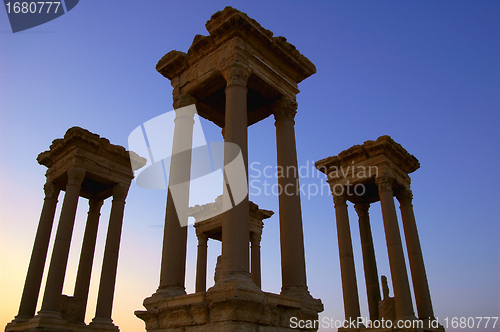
(255, 258)
(201, 263)
(111, 250)
(33, 281)
(293, 264)
(417, 267)
(236, 220)
(369, 261)
(60, 252)
(347, 268)
(173, 264)
(402, 295)
(87, 257)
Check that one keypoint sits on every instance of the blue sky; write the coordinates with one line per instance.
(426, 73)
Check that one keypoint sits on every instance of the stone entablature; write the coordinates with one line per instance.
(211, 218)
(105, 164)
(362, 164)
(276, 66)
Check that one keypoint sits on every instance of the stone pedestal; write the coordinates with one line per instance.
(238, 310)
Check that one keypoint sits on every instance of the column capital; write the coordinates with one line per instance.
(95, 204)
(284, 108)
(384, 183)
(404, 196)
(76, 176)
(236, 73)
(339, 199)
(51, 190)
(362, 209)
(202, 237)
(183, 100)
(255, 237)
(120, 191)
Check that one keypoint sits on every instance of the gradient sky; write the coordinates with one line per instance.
(426, 73)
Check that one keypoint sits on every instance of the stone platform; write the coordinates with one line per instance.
(197, 312)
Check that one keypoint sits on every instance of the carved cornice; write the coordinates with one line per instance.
(230, 22)
(362, 209)
(384, 145)
(405, 197)
(236, 73)
(93, 143)
(384, 183)
(284, 108)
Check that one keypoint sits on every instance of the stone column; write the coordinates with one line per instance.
(236, 220)
(369, 261)
(417, 267)
(402, 295)
(87, 257)
(293, 265)
(110, 260)
(58, 263)
(201, 263)
(347, 269)
(33, 281)
(255, 258)
(173, 262)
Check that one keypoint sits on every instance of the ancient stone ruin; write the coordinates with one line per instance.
(83, 165)
(236, 76)
(365, 174)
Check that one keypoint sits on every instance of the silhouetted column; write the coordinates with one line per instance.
(110, 259)
(59, 260)
(402, 295)
(87, 257)
(255, 258)
(369, 262)
(201, 263)
(33, 281)
(293, 265)
(173, 262)
(417, 267)
(347, 269)
(236, 220)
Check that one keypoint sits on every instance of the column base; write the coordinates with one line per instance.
(103, 324)
(235, 285)
(51, 321)
(170, 291)
(302, 293)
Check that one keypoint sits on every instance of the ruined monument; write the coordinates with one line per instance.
(210, 227)
(236, 76)
(365, 174)
(83, 165)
